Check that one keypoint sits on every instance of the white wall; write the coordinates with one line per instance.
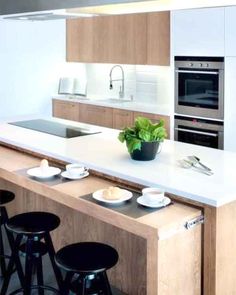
(149, 84)
(32, 55)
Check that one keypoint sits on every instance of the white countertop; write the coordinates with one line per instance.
(160, 109)
(104, 153)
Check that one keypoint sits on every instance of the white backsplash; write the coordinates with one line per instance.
(150, 84)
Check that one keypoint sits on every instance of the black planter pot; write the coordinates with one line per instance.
(148, 151)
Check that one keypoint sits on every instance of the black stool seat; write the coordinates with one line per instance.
(6, 197)
(33, 223)
(32, 238)
(86, 257)
(86, 264)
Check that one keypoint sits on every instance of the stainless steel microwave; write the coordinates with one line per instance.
(199, 87)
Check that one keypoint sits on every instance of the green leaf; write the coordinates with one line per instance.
(144, 130)
(121, 136)
(133, 144)
(145, 135)
(142, 123)
(159, 134)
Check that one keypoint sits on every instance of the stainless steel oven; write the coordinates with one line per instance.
(199, 86)
(199, 131)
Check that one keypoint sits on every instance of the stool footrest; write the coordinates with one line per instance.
(38, 287)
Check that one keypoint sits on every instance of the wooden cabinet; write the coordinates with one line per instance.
(79, 40)
(102, 116)
(65, 110)
(127, 39)
(155, 118)
(122, 118)
(127, 43)
(158, 38)
(95, 115)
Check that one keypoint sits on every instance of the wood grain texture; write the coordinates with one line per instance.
(127, 44)
(225, 266)
(122, 118)
(96, 115)
(65, 110)
(79, 40)
(158, 38)
(183, 253)
(142, 38)
(76, 226)
(140, 242)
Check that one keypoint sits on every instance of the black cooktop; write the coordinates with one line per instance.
(54, 128)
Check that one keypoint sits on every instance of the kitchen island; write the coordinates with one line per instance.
(194, 194)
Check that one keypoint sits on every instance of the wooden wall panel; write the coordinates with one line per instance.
(75, 227)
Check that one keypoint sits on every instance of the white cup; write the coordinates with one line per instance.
(75, 169)
(153, 195)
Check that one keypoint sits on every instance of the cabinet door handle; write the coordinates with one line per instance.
(196, 132)
(197, 72)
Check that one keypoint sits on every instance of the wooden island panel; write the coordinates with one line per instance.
(146, 245)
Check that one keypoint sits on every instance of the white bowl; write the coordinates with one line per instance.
(153, 195)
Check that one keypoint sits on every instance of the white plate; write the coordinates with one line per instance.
(166, 201)
(126, 195)
(65, 174)
(43, 173)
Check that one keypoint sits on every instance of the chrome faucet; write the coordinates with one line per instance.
(122, 87)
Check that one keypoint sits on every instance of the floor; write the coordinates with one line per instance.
(48, 276)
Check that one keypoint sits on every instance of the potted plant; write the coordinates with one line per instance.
(143, 139)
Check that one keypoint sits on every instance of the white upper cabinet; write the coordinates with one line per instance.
(230, 31)
(198, 32)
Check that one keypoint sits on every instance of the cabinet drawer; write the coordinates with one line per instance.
(122, 118)
(66, 110)
(96, 115)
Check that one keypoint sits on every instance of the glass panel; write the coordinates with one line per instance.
(199, 139)
(199, 90)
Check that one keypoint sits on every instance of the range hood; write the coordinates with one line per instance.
(39, 10)
(55, 9)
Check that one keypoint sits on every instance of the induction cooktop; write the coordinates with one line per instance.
(55, 128)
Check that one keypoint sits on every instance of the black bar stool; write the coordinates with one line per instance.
(33, 229)
(86, 264)
(5, 197)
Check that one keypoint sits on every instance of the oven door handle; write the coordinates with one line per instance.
(197, 72)
(196, 132)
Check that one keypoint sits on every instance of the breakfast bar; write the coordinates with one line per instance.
(166, 251)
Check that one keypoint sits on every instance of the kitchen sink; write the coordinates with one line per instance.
(115, 100)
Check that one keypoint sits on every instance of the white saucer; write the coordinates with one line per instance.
(126, 195)
(43, 173)
(65, 174)
(166, 201)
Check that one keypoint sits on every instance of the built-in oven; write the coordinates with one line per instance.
(199, 131)
(199, 86)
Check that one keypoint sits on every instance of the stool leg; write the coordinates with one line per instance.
(28, 265)
(2, 259)
(106, 284)
(51, 252)
(3, 220)
(67, 282)
(4, 215)
(13, 260)
(82, 289)
(40, 274)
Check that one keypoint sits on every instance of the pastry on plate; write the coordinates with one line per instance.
(44, 165)
(112, 193)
